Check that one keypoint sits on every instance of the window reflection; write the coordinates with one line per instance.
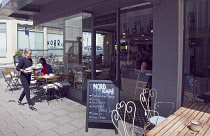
(197, 47)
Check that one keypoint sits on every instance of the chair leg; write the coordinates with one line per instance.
(46, 91)
(59, 92)
(9, 86)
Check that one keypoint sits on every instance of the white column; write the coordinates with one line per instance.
(45, 40)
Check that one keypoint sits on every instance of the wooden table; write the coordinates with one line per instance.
(45, 77)
(178, 123)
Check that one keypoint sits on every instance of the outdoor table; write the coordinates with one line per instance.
(46, 77)
(178, 124)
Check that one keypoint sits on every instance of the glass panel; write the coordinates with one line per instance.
(196, 49)
(3, 39)
(136, 51)
(77, 48)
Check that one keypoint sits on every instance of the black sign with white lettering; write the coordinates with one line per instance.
(102, 97)
(106, 19)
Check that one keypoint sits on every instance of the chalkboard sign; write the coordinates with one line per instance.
(102, 97)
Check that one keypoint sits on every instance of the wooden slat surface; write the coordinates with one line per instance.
(178, 124)
(182, 109)
(203, 130)
(161, 125)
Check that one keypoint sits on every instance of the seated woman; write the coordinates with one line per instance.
(47, 69)
(146, 66)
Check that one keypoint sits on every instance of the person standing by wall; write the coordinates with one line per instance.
(25, 77)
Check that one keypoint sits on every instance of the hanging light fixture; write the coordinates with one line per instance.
(103, 34)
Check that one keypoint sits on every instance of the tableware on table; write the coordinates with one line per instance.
(196, 126)
(28, 69)
(51, 74)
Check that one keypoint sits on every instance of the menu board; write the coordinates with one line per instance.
(102, 97)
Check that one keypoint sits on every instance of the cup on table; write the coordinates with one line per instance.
(196, 126)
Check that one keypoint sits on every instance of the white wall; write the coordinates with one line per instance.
(11, 43)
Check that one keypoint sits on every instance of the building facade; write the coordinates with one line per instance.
(175, 28)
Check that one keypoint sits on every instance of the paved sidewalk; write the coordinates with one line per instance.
(59, 118)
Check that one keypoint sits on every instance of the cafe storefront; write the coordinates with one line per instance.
(126, 26)
(135, 32)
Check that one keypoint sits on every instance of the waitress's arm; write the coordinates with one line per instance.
(143, 68)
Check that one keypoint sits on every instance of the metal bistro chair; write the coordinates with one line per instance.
(50, 86)
(78, 77)
(196, 90)
(141, 83)
(127, 108)
(151, 111)
(15, 75)
(9, 80)
(64, 83)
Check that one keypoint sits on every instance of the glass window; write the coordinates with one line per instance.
(135, 50)
(196, 49)
(3, 39)
(31, 41)
(99, 48)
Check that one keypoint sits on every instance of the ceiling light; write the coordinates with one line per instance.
(103, 34)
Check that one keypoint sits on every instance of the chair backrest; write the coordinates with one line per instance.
(66, 77)
(196, 88)
(126, 108)
(141, 83)
(7, 75)
(10, 69)
(151, 108)
(52, 79)
(145, 100)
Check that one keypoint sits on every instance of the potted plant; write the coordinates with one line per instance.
(17, 56)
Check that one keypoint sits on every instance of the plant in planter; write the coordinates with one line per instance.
(17, 56)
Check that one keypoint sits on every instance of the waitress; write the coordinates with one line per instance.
(25, 77)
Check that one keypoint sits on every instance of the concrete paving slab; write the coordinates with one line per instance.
(46, 117)
(48, 133)
(10, 134)
(14, 119)
(45, 110)
(29, 131)
(60, 112)
(2, 122)
(29, 122)
(44, 126)
(64, 129)
(10, 128)
(79, 123)
(4, 115)
(62, 120)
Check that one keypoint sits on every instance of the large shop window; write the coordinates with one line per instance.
(33, 41)
(3, 39)
(196, 50)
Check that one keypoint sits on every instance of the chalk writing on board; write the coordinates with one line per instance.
(101, 100)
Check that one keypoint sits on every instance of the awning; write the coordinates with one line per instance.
(3, 3)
